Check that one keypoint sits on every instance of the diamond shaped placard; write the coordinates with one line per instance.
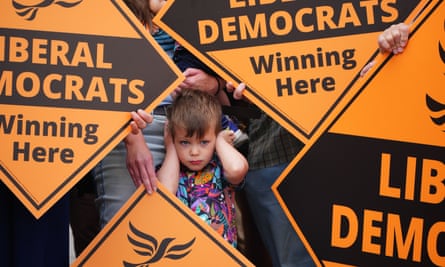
(68, 80)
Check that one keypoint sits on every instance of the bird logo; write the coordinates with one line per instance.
(29, 12)
(147, 246)
(442, 53)
(436, 107)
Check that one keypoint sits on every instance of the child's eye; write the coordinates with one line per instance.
(184, 142)
(204, 142)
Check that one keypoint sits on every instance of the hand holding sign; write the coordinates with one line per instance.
(140, 119)
(394, 39)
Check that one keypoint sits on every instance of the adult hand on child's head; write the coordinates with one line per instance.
(198, 79)
(140, 119)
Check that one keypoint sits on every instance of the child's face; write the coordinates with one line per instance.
(195, 153)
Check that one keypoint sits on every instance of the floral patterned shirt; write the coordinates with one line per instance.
(211, 197)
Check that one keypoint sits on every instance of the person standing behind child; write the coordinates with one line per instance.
(289, 253)
(201, 165)
(271, 148)
(132, 162)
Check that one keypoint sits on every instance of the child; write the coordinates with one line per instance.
(201, 166)
(185, 60)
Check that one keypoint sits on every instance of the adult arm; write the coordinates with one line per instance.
(140, 162)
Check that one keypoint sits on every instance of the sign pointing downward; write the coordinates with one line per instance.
(298, 58)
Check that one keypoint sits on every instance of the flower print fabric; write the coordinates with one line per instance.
(211, 197)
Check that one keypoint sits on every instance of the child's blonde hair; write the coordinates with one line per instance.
(195, 112)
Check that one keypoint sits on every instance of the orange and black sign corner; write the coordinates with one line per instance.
(289, 216)
(38, 206)
(167, 60)
(157, 18)
(164, 230)
(336, 264)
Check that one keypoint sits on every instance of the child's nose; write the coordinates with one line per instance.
(194, 150)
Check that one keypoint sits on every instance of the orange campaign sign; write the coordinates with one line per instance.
(299, 59)
(367, 188)
(158, 230)
(378, 198)
(68, 79)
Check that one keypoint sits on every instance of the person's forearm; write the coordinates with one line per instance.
(221, 92)
(134, 138)
(168, 174)
(234, 164)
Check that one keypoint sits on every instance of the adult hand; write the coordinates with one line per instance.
(394, 39)
(140, 162)
(140, 119)
(237, 91)
(199, 80)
